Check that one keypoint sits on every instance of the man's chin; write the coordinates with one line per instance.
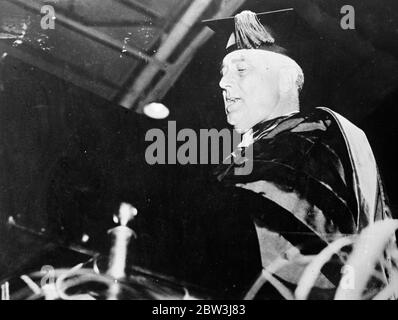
(238, 128)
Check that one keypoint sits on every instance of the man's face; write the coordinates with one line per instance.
(250, 88)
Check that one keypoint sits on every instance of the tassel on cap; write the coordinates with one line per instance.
(249, 32)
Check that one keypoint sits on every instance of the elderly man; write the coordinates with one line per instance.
(315, 173)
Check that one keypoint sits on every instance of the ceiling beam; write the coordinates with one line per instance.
(94, 34)
(135, 5)
(176, 35)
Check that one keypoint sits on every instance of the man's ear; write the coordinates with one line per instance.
(287, 79)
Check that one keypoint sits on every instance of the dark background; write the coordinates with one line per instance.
(68, 157)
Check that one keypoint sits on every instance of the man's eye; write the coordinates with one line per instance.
(241, 71)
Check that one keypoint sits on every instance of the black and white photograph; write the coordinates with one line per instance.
(211, 150)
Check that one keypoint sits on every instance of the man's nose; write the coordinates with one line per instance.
(224, 82)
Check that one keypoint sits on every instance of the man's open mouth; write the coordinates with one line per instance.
(229, 102)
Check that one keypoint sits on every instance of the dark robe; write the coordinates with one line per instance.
(309, 187)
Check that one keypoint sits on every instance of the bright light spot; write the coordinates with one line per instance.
(115, 219)
(156, 110)
(85, 238)
(11, 220)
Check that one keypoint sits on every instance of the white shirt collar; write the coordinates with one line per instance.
(247, 139)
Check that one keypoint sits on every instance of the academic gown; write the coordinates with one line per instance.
(313, 180)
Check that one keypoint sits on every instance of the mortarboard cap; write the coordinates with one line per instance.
(277, 31)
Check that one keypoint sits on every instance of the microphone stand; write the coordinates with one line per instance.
(121, 236)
